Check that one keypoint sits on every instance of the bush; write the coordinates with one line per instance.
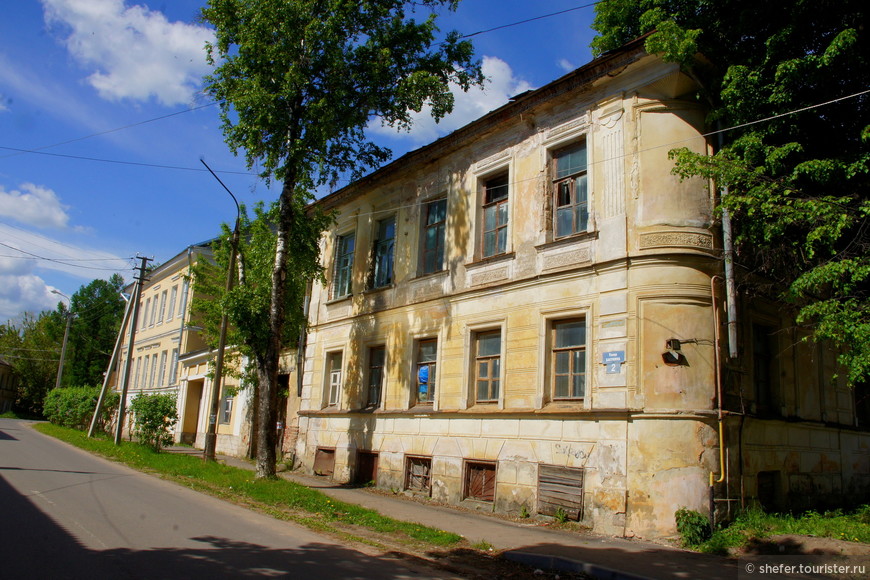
(74, 406)
(693, 527)
(154, 417)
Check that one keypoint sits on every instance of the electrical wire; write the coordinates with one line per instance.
(518, 22)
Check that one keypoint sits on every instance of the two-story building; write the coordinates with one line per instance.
(526, 315)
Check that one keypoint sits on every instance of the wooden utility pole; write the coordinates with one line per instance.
(116, 352)
(134, 317)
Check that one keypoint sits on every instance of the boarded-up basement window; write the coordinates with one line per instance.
(324, 461)
(417, 474)
(480, 481)
(560, 488)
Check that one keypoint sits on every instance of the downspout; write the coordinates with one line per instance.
(717, 366)
(303, 341)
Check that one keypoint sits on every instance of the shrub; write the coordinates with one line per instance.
(74, 406)
(693, 527)
(154, 417)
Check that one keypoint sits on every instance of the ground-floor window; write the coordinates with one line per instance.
(418, 473)
(324, 461)
(479, 480)
(366, 467)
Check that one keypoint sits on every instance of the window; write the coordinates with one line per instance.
(333, 366)
(173, 368)
(153, 312)
(226, 406)
(560, 489)
(145, 368)
(418, 473)
(427, 351)
(162, 307)
(182, 304)
(571, 203)
(382, 273)
(153, 376)
(479, 481)
(343, 280)
(568, 364)
(764, 372)
(144, 322)
(162, 374)
(434, 220)
(136, 374)
(377, 357)
(487, 363)
(173, 296)
(495, 215)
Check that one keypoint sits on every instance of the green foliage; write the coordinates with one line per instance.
(74, 406)
(561, 516)
(279, 497)
(797, 181)
(524, 512)
(754, 525)
(99, 310)
(154, 417)
(693, 527)
(298, 82)
(32, 347)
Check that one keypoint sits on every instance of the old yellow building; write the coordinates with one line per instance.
(522, 315)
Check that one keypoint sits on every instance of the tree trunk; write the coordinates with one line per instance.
(267, 362)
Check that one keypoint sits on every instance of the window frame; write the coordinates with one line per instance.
(432, 370)
(570, 180)
(162, 367)
(370, 387)
(173, 368)
(383, 272)
(329, 381)
(226, 410)
(491, 360)
(440, 228)
(495, 204)
(173, 298)
(469, 467)
(342, 277)
(553, 352)
(426, 486)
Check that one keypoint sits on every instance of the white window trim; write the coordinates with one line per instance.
(469, 389)
(543, 396)
(482, 172)
(327, 353)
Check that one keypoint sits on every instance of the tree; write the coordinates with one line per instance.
(790, 80)
(297, 82)
(155, 415)
(33, 349)
(99, 308)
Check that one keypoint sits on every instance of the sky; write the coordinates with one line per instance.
(103, 124)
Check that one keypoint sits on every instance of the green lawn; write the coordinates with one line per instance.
(278, 497)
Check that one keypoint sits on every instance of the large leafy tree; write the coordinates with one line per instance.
(98, 308)
(786, 83)
(32, 347)
(298, 81)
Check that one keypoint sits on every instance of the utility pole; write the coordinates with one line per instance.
(208, 453)
(69, 317)
(112, 362)
(134, 318)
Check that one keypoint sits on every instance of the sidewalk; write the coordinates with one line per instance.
(603, 557)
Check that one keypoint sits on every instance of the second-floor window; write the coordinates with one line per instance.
(343, 277)
(434, 220)
(427, 351)
(173, 296)
(377, 358)
(382, 274)
(495, 215)
(334, 366)
(568, 365)
(487, 360)
(570, 203)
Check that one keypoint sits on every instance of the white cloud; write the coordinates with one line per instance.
(33, 205)
(136, 52)
(24, 293)
(566, 65)
(500, 86)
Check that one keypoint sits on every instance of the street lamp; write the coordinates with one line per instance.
(69, 316)
(208, 453)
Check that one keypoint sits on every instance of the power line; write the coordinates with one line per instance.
(518, 22)
(55, 260)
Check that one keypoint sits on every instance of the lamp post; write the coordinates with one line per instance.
(69, 316)
(208, 453)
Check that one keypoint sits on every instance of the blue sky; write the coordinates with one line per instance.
(88, 178)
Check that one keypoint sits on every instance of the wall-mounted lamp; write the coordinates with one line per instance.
(673, 357)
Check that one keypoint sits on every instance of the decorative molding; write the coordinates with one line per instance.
(557, 132)
(490, 276)
(493, 161)
(676, 239)
(561, 260)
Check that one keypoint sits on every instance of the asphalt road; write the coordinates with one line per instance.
(67, 514)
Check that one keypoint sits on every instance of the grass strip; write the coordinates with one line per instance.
(240, 484)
